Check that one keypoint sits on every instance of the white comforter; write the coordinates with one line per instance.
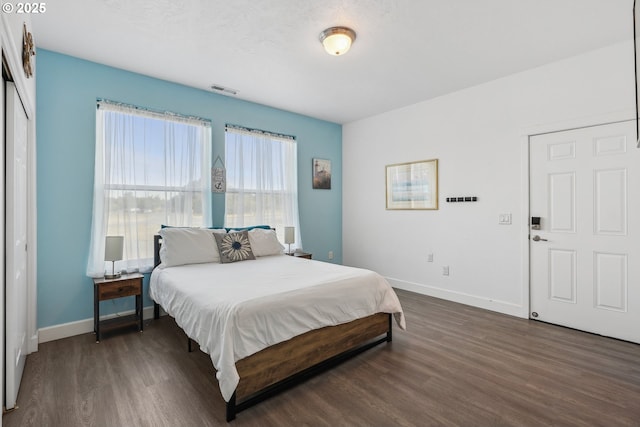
(235, 310)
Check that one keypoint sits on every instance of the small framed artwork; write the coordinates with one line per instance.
(321, 174)
(413, 185)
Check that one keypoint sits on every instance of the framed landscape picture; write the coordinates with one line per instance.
(413, 185)
(321, 174)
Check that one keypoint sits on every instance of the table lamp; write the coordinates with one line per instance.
(289, 236)
(113, 252)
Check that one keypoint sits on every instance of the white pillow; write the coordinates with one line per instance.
(264, 242)
(182, 246)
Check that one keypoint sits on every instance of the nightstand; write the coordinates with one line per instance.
(105, 289)
(300, 255)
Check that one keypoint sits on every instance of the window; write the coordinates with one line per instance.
(151, 169)
(262, 180)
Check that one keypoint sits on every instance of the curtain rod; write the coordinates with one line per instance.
(259, 131)
(101, 101)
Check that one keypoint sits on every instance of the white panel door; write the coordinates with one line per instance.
(16, 244)
(585, 256)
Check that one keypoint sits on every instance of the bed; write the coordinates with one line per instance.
(272, 320)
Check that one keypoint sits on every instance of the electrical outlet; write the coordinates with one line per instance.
(330, 254)
(445, 270)
(429, 257)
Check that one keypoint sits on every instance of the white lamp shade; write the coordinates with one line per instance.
(113, 248)
(337, 40)
(289, 235)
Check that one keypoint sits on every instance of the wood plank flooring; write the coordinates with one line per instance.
(455, 366)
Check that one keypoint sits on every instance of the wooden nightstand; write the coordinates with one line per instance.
(300, 255)
(105, 289)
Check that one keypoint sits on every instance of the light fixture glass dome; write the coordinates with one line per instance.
(337, 40)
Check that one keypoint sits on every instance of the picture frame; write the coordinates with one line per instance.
(321, 174)
(412, 185)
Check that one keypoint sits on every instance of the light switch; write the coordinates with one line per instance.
(504, 219)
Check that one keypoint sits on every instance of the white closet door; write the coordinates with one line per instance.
(16, 244)
(2, 234)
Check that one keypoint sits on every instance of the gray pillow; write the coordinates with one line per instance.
(234, 247)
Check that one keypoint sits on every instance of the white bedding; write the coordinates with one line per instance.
(235, 310)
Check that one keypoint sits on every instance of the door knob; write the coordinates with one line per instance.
(537, 238)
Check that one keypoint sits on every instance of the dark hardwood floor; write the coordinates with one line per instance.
(455, 366)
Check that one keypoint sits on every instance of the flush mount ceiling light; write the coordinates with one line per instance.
(337, 40)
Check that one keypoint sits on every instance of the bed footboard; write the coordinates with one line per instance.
(283, 365)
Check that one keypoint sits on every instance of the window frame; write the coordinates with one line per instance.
(196, 146)
(290, 190)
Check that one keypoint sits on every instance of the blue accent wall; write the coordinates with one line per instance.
(67, 89)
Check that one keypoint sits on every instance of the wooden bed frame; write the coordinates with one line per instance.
(283, 365)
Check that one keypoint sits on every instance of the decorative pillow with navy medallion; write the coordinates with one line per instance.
(234, 247)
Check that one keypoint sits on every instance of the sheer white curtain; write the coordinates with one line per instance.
(151, 169)
(262, 181)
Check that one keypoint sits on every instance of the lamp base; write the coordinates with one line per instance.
(113, 276)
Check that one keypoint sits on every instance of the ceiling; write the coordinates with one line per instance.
(406, 51)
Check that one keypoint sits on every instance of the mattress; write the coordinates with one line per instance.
(235, 310)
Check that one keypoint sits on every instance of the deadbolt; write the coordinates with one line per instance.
(535, 223)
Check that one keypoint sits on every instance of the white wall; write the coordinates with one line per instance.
(477, 134)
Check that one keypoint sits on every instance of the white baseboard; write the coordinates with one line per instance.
(472, 300)
(85, 326)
